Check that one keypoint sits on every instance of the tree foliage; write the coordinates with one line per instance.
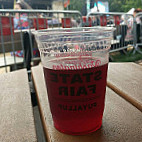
(114, 5)
(132, 4)
(77, 4)
(124, 5)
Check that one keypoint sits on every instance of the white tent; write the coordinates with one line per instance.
(131, 11)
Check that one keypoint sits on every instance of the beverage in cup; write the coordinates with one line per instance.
(75, 63)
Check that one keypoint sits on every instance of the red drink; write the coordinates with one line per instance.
(76, 97)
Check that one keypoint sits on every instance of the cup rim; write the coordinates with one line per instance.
(62, 31)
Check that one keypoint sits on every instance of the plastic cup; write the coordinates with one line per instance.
(75, 63)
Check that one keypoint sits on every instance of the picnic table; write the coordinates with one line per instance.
(121, 121)
(122, 115)
(16, 113)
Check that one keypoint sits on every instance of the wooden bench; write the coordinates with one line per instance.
(4, 70)
(126, 80)
(139, 62)
(16, 114)
(121, 121)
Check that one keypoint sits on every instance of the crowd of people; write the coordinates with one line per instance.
(130, 22)
(22, 21)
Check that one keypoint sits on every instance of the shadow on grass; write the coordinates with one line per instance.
(129, 57)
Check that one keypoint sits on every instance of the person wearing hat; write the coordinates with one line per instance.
(21, 20)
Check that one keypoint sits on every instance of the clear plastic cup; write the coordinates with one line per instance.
(75, 63)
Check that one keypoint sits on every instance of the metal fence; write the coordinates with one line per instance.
(18, 48)
(137, 32)
(122, 22)
(17, 45)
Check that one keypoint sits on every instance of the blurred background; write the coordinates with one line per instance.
(81, 5)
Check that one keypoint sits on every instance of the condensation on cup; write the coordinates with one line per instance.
(75, 63)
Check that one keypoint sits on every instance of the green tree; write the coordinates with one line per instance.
(124, 5)
(114, 5)
(77, 4)
(132, 4)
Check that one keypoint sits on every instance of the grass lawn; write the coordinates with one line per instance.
(129, 57)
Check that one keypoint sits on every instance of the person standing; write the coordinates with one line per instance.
(21, 20)
(129, 35)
